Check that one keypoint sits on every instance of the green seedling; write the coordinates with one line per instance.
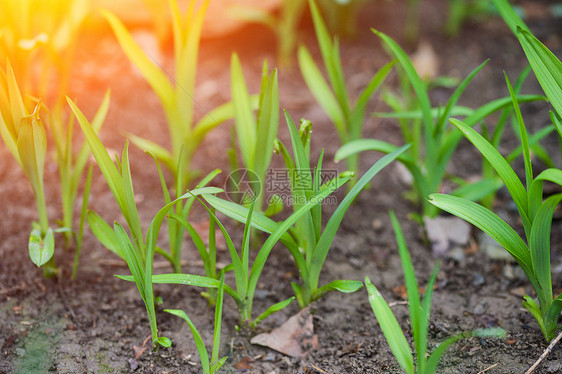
(138, 252)
(348, 118)
(213, 365)
(71, 171)
(420, 311)
(176, 98)
(306, 241)
(433, 144)
(140, 262)
(532, 255)
(284, 26)
(536, 213)
(246, 276)
(25, 136)
(255, 136)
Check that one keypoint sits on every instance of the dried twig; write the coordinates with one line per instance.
(318, 369)
(488, 368)
(544, 354)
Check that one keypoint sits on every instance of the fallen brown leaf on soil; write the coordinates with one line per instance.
(294, 338)
(244, 364)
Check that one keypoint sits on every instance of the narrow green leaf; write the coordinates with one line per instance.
(325, 241)
(361, 145)
(504, 170)
(32, 149)
(203, 355)
(415, 81)
(151, 72)
(546, 66)
(217, 330)
(390, 328)
(509, 16)
(358, 112)
(104, 233)
(441, 123)
(267, 126)
(106, 165)
(539, 245)
(244, 119)
(343, 286)
(240, 214)
(535, 311)
(491, 224)
(272, 309)
(321, 91)
(156, 149)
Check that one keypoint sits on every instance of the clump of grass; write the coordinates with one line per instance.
(420, 311)
(176, 97)
(246, 275)
(536, 213)
(25, 136)
(433, 143)
(138, 252)
(308, 244)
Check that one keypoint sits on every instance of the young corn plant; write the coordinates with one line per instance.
(176, 97)
(246, 275)
(306, 241)
(213, 365)
(532, 254)
(420, 310)
(71, 167)
(333, 97)
(39, 37)
(25, 137)
(433, 144)
(255, 136)
(139, 252)
(536, 214)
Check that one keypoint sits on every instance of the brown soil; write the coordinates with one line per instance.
(92, 324)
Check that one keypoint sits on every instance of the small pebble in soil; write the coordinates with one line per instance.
(478, 280)
(133, 364)
(356, 262)
(492, 249)
(480, 308)
(456, 254)
(20, 352)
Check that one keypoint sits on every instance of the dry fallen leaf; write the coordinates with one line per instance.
(294, 338)
(243, 364)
